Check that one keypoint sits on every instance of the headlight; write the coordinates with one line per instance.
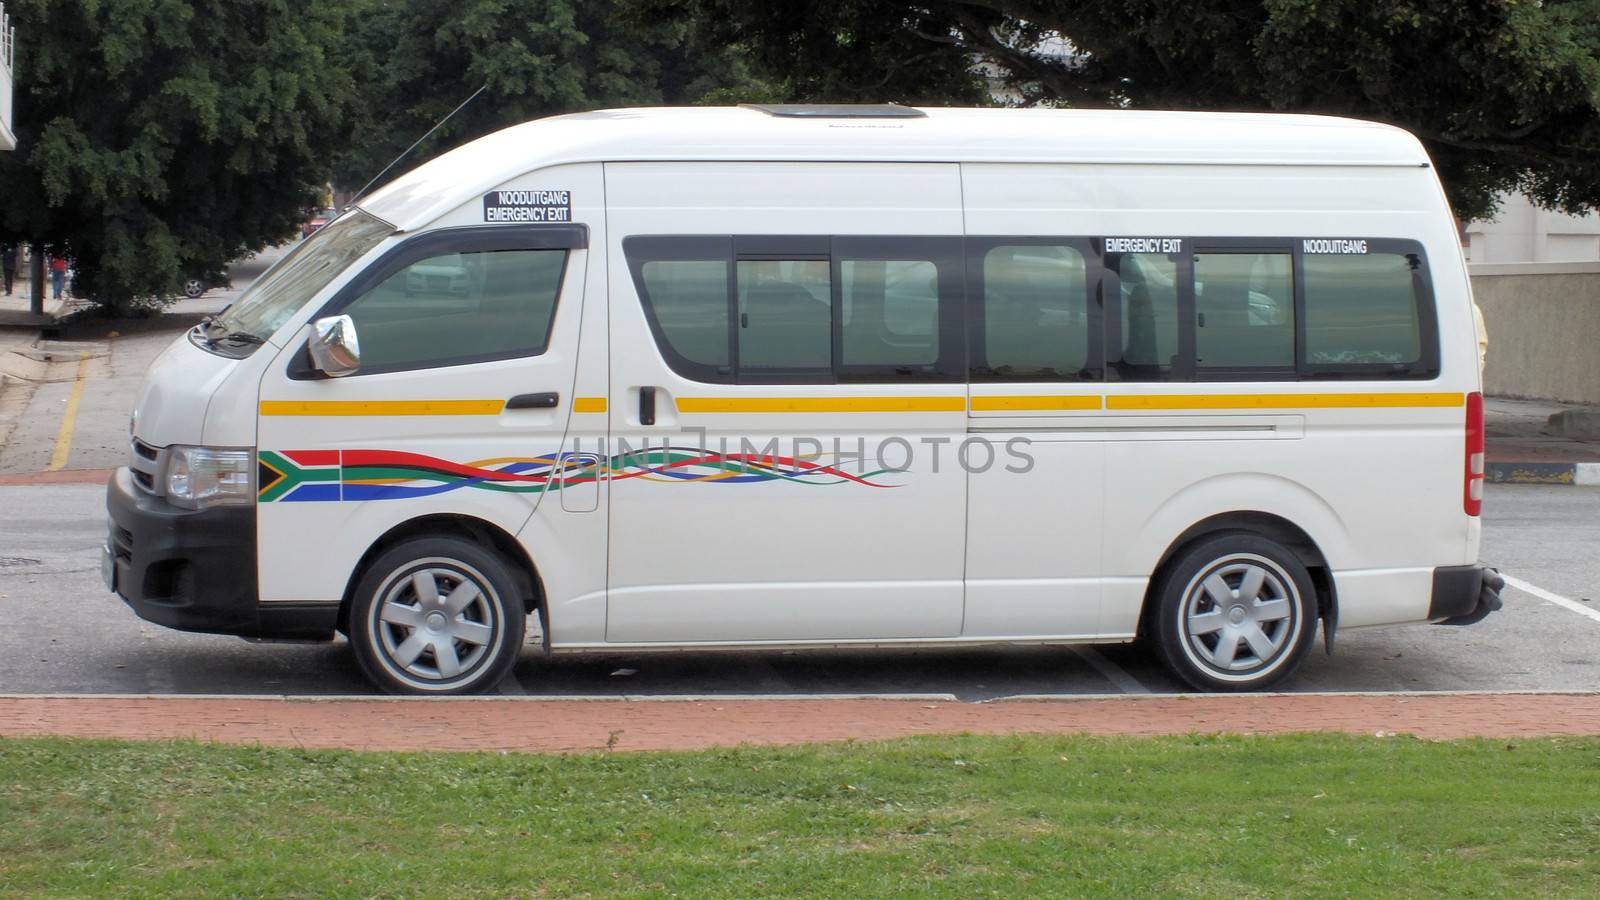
(199, 477)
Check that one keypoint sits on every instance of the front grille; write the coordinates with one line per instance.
(145, 463)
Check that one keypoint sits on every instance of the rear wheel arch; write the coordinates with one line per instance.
(487, 534)
(1261, 524)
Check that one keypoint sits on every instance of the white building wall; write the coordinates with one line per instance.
(8, 40)
(1522, 232)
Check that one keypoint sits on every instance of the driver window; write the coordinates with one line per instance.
(458, 308)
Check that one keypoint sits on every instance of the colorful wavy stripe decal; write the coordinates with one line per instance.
(356, 475)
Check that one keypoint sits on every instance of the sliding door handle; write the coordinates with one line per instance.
(544, 400)
(647, 406)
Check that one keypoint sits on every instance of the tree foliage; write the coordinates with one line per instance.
(1504, 93)
(419, 59)
(164, 137)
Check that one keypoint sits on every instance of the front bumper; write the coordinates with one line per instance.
(1463, 595)
(195, 570)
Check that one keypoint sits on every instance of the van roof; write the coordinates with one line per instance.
(941, 135)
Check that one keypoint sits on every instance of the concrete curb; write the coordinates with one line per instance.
(1573, 474)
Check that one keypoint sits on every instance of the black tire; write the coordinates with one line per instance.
(1191, 630)
(413, 640)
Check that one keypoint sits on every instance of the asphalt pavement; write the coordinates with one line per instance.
(65, 634)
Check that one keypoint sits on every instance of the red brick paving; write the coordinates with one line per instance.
(65, 476)
(582, 725)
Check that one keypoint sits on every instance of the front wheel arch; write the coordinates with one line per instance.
(530, 585)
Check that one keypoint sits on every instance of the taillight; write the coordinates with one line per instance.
(1472, 472)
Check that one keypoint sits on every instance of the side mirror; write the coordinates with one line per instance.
(335, 350)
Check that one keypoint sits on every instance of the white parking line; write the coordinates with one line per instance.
(1557, 599)
(1111, 671)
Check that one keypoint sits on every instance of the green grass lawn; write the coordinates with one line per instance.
(953, 816)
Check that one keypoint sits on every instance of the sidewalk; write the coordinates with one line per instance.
(1519, 452)
(584, 725)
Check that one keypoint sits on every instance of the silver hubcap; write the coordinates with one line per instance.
(1239, 614)
(435, 622)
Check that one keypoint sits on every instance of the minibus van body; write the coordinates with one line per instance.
(802, 376)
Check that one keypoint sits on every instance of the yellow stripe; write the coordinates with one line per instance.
(69, 418)
(819, 404)
(1022, 402)
(381, 407)
(589, 404)
(1281, 401)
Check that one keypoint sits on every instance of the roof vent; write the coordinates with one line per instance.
(837, 110)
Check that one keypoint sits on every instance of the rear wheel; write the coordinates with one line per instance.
(194, 287)
(437, 615)
(1235, 612)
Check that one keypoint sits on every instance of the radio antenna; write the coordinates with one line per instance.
(363, 192)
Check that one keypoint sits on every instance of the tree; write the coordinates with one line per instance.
(419, 59)
(1504, 93)
(160, 137)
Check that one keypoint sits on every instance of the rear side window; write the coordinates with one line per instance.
(1244, 310)
(1362, 310)
(1035, 322)
(459, 307)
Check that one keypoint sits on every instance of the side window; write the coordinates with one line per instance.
(689, 301)
(1362, 309)
(1035, 321)
(1244, 310)
(457, 308)
(739, 309)
(1148, 290)
(785, 317)
(889, 313)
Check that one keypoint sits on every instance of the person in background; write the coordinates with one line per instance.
(8, 263)
(1483, 336)
(58, 276)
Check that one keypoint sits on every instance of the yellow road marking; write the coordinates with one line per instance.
(819, 404)
(1282, 401)
(589, 405)
(63, 448)
(382, 407)
(1026, 402)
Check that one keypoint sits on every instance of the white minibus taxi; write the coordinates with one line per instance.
(800, 376)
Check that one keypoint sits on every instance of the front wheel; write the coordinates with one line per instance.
(437, 615)
(1235, 612)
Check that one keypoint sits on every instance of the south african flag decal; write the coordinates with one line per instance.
(355, 475)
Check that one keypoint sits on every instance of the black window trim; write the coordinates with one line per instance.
(961, 312)
(944, 251)
(470, 239)
(640, 250)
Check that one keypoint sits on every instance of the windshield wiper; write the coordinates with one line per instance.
(239, 337)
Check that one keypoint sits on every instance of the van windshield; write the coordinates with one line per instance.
(300, 274)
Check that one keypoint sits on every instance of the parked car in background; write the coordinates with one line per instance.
(195, 283)
(320, 218)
